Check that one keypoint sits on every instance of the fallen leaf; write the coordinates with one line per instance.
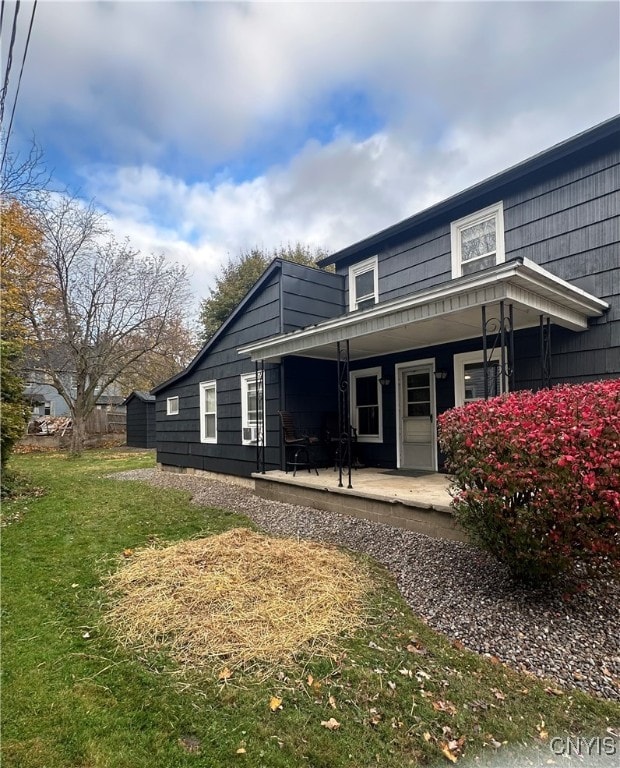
(375, 717)
(225, 674)
(458, 645)
(391, 685)
(86, 635)
(427, 736)
(444, 706)
(417, 648)
(74, 586)
(332, 702)
(448, 753)
(406, 672)
(332, 724)
(275, 703)
(310, 679)
(127, 552)
(554, 691)
(498, 694)
(241, 751)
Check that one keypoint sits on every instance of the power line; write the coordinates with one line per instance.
(19, 80)
(9, 62)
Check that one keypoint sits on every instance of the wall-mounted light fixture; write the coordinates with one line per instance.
(441, 375)
(384, 381)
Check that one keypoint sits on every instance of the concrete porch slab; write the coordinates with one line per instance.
(416, 503)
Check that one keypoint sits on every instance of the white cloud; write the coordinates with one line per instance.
(328, 195)
(160, 104)
(211, 78)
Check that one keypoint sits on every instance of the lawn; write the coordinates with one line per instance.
(400, 693)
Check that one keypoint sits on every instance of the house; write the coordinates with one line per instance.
(140, 409)
(510, 284)
(44, 397)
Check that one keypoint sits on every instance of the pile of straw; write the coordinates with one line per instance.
(239, 597)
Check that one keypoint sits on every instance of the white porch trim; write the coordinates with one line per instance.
(531, 289)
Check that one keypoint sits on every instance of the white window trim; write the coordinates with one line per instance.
(353, 376)
(245, 378)
(172, 406)
(460, 361)
(496, 210)
(203, 387)
(358, 269)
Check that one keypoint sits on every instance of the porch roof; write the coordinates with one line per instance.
(446, 313)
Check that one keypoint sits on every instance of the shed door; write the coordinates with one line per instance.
(417, 418)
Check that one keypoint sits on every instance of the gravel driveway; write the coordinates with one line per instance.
(456, 588)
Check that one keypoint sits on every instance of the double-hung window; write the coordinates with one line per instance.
(469, 376)
(252, 408)
(477, 241)
(208, 412)
(363, 284)
(366, 405)
(172, 406)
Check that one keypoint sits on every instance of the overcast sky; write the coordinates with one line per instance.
(206, 128)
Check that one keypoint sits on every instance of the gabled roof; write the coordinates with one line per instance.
(560, 151)
(275, 265)
(144, 396)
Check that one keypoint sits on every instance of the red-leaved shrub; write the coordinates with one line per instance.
(537, 477)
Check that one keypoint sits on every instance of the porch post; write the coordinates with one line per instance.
(545, 352)
(502, 341)
(485, 361)
(344, 427)
(511, 341)
(260, 416)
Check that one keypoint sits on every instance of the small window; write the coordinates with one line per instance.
(366, 405)
(363, 284)
(172, 406)
(252, 409)
(469, 377)
(477, 241)
(208, 412)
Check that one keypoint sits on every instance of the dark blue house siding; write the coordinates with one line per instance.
(274, 308)
(566, 218)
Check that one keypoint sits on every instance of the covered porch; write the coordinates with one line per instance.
(387, 372)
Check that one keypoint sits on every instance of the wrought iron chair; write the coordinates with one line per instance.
(298, 445)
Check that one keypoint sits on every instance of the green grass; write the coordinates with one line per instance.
(75, 701)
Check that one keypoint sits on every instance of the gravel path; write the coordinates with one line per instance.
(456, 588)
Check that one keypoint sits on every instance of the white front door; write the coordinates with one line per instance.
(417, 417)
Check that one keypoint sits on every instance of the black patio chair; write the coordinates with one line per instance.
(297, 445)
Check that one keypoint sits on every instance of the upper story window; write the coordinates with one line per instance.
(364, 284)
(252, 409)
(208, 412)
(172, 406)
(478, 241)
